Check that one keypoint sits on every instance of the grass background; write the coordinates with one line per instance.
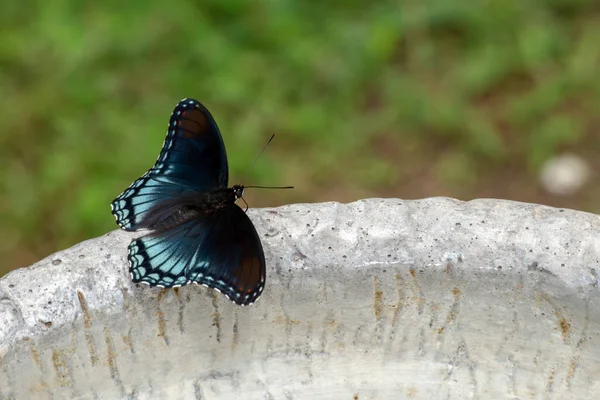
(384, 98)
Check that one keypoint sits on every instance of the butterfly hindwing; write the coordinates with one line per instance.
(193, 158)
(237, 266)
(221, 250)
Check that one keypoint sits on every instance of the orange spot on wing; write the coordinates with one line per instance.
(193, 124)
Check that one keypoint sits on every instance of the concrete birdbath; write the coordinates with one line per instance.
(377, 299)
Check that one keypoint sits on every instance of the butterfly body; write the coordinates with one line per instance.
(171, 213)
(197, 234)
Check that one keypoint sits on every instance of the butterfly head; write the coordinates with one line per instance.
(238, 191)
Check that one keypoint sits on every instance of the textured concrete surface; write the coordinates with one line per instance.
(378, 299)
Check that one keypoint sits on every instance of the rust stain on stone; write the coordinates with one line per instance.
(401, 296)
(285, 321)
(87, 323)
(35, 354)
(377, 299)
(162, 326)
(161, 294)
(38, 387)
(571, 372)
(128, 342)
(564, 327)
(216, 316)
(84, 308)
(550, 381)
(181, 309)
(418, 291)
(454, 308)
(563, 324)
(235, 332)
(111, 358)
(61, 369)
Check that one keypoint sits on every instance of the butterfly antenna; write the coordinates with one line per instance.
(256, 159)
(252, 165)
(269, 187)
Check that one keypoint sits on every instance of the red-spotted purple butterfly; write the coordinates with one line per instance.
(197, 232)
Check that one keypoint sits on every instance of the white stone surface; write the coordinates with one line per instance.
(378, 299)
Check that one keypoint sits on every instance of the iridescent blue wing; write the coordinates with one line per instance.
(193, 159)
(220, 249)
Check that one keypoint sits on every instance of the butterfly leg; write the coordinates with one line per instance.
(246, 210)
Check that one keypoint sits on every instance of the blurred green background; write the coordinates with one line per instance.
(405, 98)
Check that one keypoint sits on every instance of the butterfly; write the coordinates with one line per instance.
(197, 232)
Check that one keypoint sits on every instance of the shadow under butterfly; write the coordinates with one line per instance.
(197, 232)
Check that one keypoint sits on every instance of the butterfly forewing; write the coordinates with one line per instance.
(193, 158)
(193, 154)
